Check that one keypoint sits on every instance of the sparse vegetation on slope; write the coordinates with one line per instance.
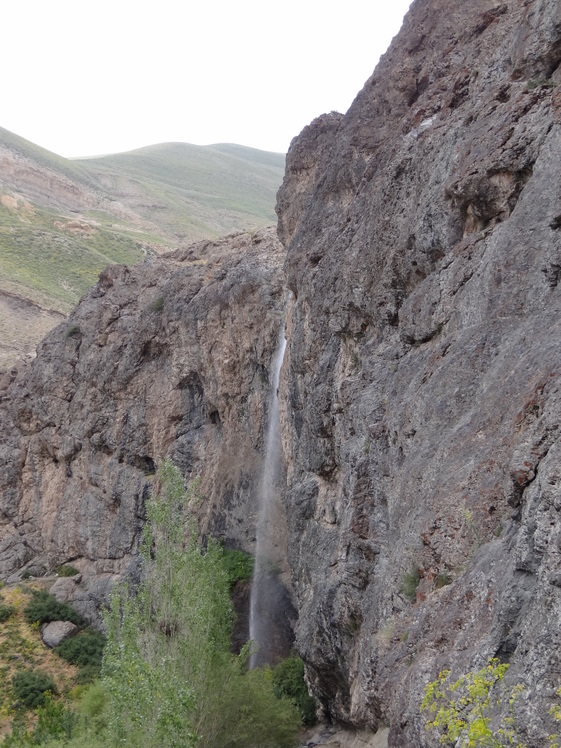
(62, 221)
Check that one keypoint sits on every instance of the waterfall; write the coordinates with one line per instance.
(265, 593)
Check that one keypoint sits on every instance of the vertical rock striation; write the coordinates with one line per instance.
(421, 391)
(170, 358)
(420, 397)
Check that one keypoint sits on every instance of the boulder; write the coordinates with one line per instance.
(55, 632)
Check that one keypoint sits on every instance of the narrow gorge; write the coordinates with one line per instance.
(419, 396)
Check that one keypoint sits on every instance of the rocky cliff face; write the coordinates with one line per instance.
(167, 358)
(421, 385)
(420, 393)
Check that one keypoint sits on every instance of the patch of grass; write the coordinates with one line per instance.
(65, 570)
(534, 83)
(443, 580)
(73, 331)
(409, 583)
(158, 304)
(367, 444)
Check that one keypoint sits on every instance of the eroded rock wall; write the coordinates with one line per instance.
(168, 358)
(420, 393)
(421, 386)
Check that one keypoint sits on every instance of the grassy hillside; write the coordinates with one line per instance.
(45, 259)
(43, 159)
(62, 221)
(21, 648)
(194, 191)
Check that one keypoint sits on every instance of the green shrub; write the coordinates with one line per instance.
(65, 570)
(43, 608)
(53, 721)
(6, 611)
(288, 681)
(442, 580)
(540, 83)
(409, 583)
(84, 650)
(238, 565)
(34, 571)
(88, 675)
(73, 331)
(29, 687)
(158, 304)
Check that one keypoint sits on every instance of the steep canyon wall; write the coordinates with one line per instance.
(421, 386)
(165, 359)
(420, 393)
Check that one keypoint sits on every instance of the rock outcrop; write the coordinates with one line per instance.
(420, 394)
(55, 632)
(169, 358)
(421, 386)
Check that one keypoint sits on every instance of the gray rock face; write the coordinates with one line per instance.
(55, 632)
(421, 391)
(420, 394)
(165, 359)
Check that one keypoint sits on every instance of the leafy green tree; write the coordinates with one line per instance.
(167, 669)
(288, 681)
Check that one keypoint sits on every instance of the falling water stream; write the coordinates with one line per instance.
(265, 587)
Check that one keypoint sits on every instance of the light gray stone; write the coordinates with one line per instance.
(55, 632)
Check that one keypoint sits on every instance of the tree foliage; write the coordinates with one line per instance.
(167, 669)
(288, 681)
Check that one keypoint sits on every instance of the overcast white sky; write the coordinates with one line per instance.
(84, 78)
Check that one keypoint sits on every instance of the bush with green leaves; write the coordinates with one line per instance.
(29, 687)
(158, 304)
(54, 722)
(84, 650)
(65, 570)
(167, 669)
(6, 611)
(238, 565)
(409, 583)
(288, 681)
(43, 608)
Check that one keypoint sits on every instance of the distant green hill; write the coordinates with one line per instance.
(194, 191)
(62, 221)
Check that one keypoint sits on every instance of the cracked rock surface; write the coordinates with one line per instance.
(169, 358)
(420, 396)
